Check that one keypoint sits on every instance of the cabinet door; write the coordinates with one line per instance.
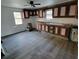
(39, 27)
(43, 27)
(41, 13)
(34, 13)
(63, 11)
(51, 30)
(26, 14)
(56, 30)
(37, 13)
(46, 28)
(73, 9)
(63, 31)
(55, 11)
(31, 13)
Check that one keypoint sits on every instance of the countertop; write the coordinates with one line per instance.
(58, 24)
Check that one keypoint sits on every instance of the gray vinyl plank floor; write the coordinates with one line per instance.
(38, 45)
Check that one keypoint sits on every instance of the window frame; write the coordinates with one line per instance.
(16, 17)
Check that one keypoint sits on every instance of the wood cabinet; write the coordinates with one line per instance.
(54, 29)
(72, 10)
(26, 13)
(43, 27)
(68, 9)
(55, 12)
(63, 31)
(46, 28)
(31, 13)
(37, 12)
(40, 13)
(63, 11)
(51, 29)
(39, 27)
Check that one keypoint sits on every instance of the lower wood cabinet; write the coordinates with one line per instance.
(38, 27)
(58, 30)
(51, 29)
(46, 28)
(43, 27)
(63, 31)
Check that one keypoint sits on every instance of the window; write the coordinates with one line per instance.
(18, 18)
(49, 14)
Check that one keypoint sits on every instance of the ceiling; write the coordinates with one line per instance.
(21, 3)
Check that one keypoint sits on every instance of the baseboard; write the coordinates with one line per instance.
(13, 34)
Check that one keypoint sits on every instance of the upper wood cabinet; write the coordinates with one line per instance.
(40, 13)
(68, 9)
(55, 12)
(37, 12)
(30, 13)
(26, 13)
(63, 11)
(72, 10)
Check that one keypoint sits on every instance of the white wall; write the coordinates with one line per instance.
(7, 21)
